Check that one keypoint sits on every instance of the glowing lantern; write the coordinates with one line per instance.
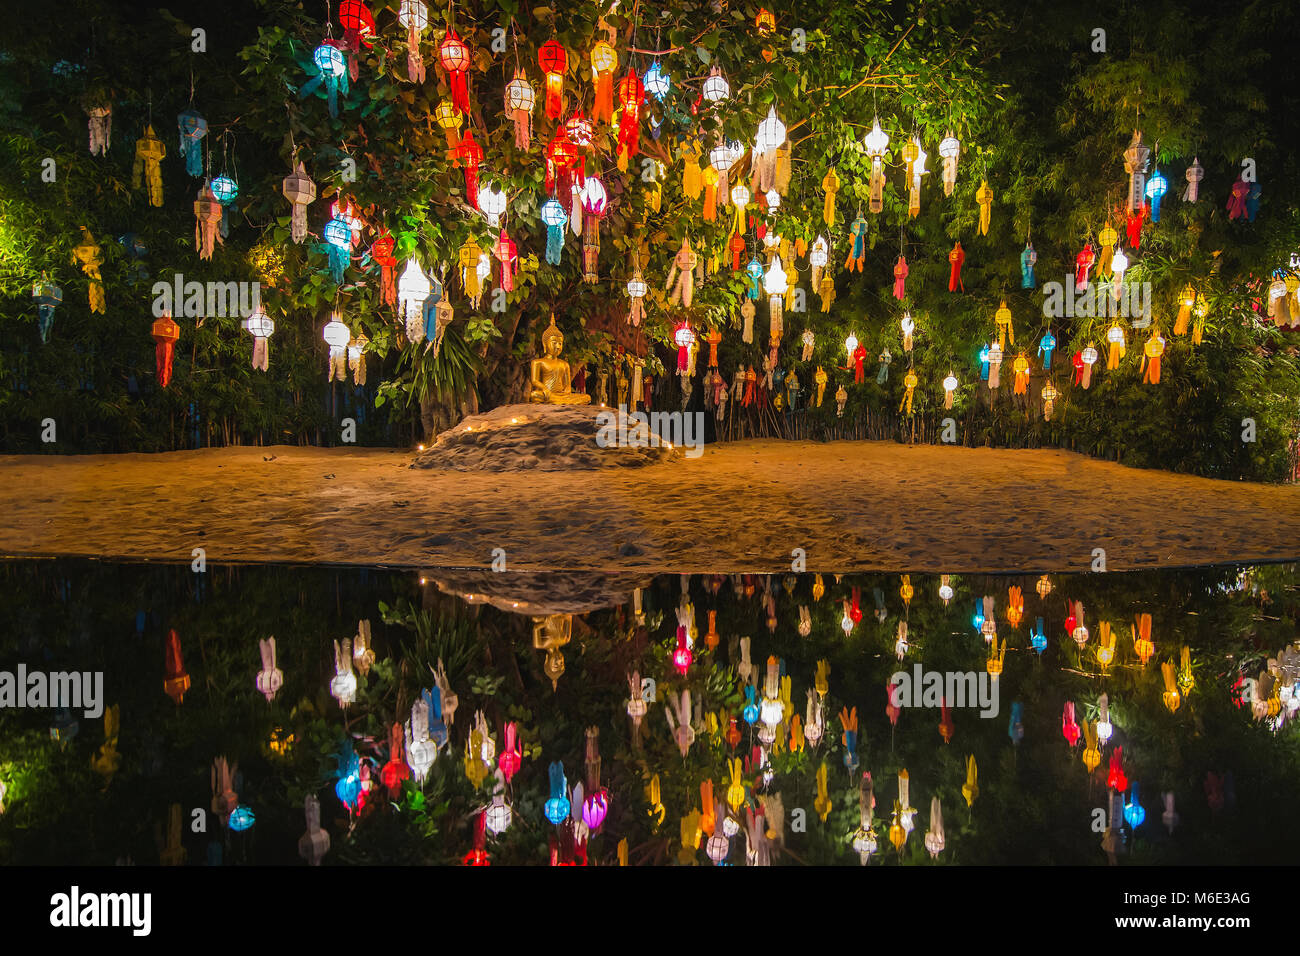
(1069, 727)
(270, 678)
(519, 102)
(165, 333)
(1185, 679)
(1157, 186)
(413, 15)
(498, 816)
(332, 73)
(1091, 755)
(984, 199)
(555, 218)
(1104, 728)
(631, 94)
(453, 54)
(1087, 359)
(1142, 643)
(771, 136)
(1105, 645)
(970, 789)
(300, 191)
(469, 154)
(876, 142)
(492, 203)
(682, 654)
(775, 285)
(260, 327)
(636, 290)
(343, 687)
(1118, 266)
(1151, 352)
(395, 771)
(716, 88)
(1115, 336)
(1135, 164)
(207, 218)
(1050, 395)
(1133, 811)
(554, 61)
(338, 243)
(421, 749)
(1171, 697)
(412, 289)
(1028, 258)
(656, 82)
(1038, 639)
(1116, 779)
(604, 61)
(950, 150)
(1080, 631)
(315, 842)
(557, 807)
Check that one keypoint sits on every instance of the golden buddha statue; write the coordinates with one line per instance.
(549, 376)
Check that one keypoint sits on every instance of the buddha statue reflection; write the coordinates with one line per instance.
(549, 376)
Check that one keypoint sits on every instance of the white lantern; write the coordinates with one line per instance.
(412, 289)
(343, 687)
(1104, 727)
(722, 158)
(851, 345)
(773, 200)
(740, 197)
(337, 336)
(774, 280)
(876, 142)
(718, 846)
(771, 133)
(492, 203)
(820, 253)
(260, 326)
(729, 826)
(716, 87)
(949, 149)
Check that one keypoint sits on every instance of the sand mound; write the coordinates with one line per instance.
(541, 438)
(540, 593)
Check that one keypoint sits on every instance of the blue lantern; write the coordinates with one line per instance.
(978, 620)
(338, 243)
(1045, 346)
(1016, 728)
(332, 73)
(557, 808)
(1252, 201)
(241, 819)
(348, 787)
(1133, 810)
(851, 761)
(431, 308)
(1027, 260)
(193, 128)
(437, 726)
(984, 363)
(555, 218)
(1157, 186)
(750, 713)
(656, 82)
(47, 296)
(224, 189)
(755, 273)
(1038, 640)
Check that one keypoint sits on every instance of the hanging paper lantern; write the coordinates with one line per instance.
(604, 61)
(332, 74)
(656, 81)
(358, 28)
(260, 326)
(554, 61)
(337, 337)
(984, 199)
(453, 54)
(338, 245)
(1156, 187)
(520, 100)
(149, 153)
(1107, 237)
(492, 203)
(1020, 367)
(224, 189)
(193, 127)
(631, 94)
(1115, 336)
(1104, 728)
(1087, 359)
(775, 285)
(683, 338)
(917, 166)
(47, 296)
(1082, 264)
(469, 154)
(1237, 199)
(636, 290)
(1195, 173)
(956, 257)
(207, 218)
(876, 143)
(100, 126)
(716, 88)
(412, 290)
(1135, 164)
(1118, 266)
(565, 165)
(1027, 260)
(413, 15)
(300, 191)
(1050, 394)
(900, 279)
(165, 333)
(1151, 352)
(1046, 345)
(555, 219)
(949, 150)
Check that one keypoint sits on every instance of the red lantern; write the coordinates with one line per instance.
(554, 61)
(178, 681)
(395, 771)
(358, 27)
(631, 94)
(382, 254)
(469, 154)
(563, 160)
(165, 334)
(682, 655)
(478, 856)
(580, 129)
(508, 253)
(684, 338)
(1116, 779)
(454, 56)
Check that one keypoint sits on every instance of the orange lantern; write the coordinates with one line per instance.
(631, 94)
(165, 334)
(604, 60)
(1142, 642)
(177, 681)
(469, 154)
(1172, 698)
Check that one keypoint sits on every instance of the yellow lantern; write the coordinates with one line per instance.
(1044, 586)
(1091, 751)
(1185, 679)
(1115, 336)
(970, 789)
(897, 835)
(1002, 323)
(449, 118)
(1105, 645)
(906, 591)
(1172, 698)
(996, 654)
(822, 803)
(1142, 642)
(736, 789)
(655, 800)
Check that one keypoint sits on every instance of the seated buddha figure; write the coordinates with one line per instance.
(549, 376)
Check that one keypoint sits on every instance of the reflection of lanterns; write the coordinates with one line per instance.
(1171, 697)
(177, 680)
(934, 837)
(343, 686)
(1091, 750)
(1185, 679)
(1104, 727)
(241, 819)
(1133, 810)
(557, 807)
(945, 588)
(1105, 645)
(1142, 643)
(315, 842)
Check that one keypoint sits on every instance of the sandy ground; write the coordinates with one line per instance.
(739, 507)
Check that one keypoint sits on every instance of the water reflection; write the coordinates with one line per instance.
(352, 716)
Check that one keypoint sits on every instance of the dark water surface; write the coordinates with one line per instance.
(1227, 756)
